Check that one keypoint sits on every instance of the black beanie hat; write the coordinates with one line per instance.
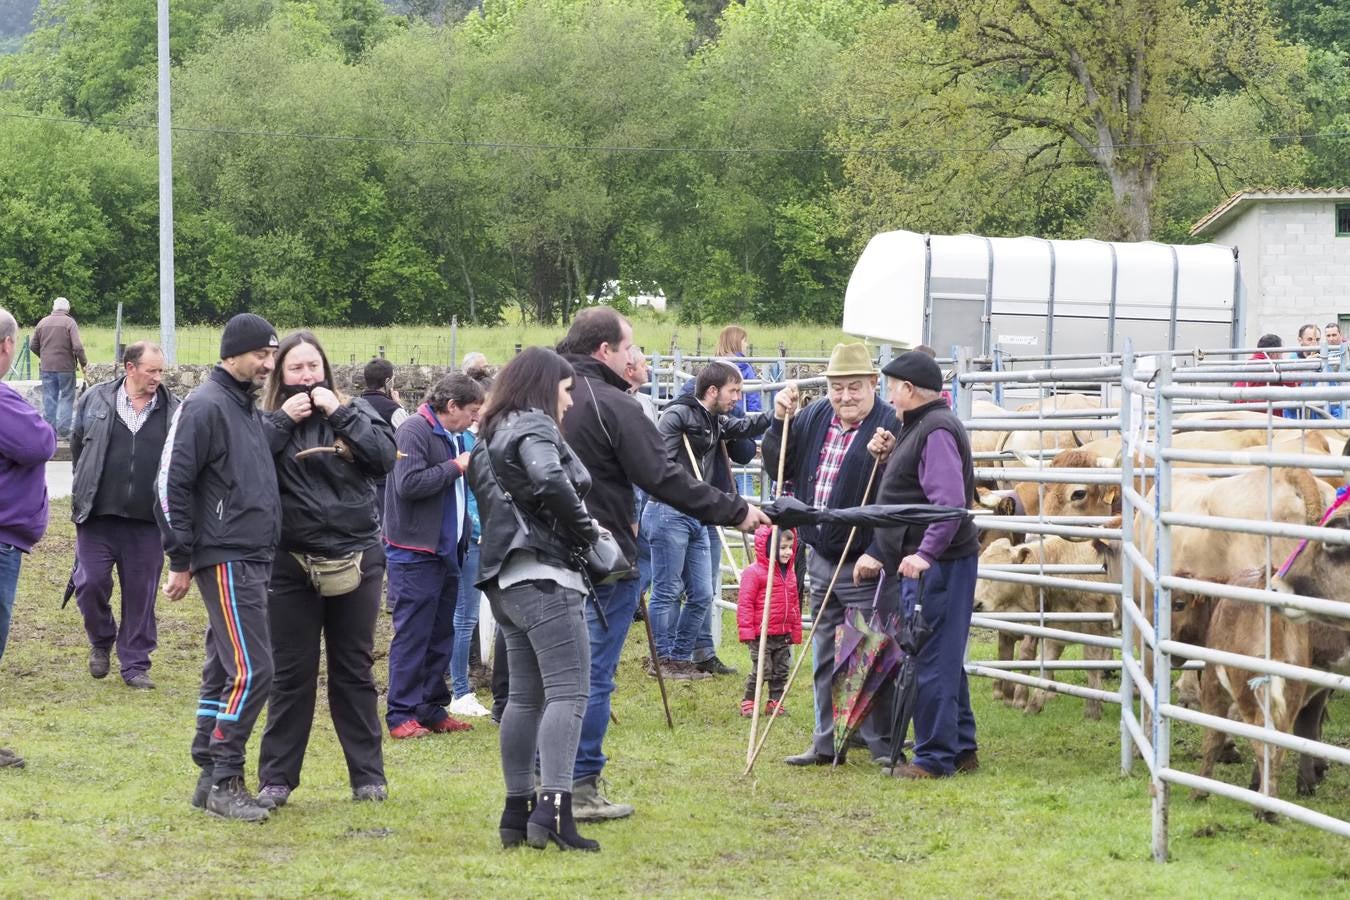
(916, 367)
(245, 333)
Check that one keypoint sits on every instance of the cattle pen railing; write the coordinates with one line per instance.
(1140, 407)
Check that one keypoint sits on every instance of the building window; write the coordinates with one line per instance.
(1343, 220)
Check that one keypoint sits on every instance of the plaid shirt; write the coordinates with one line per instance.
(127, 413)
(837, 441)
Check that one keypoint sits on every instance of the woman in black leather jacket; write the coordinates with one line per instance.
(530, 488)
(327, 514)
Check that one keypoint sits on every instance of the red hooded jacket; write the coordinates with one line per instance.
(785, 610)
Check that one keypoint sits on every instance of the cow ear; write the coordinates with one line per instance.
(1109, 495)
(1021, 553)
(1005, 507)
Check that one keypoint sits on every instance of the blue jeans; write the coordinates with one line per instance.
(644, 547)
(679, 562)
(58, 400)
(10, 558)
(618, 602)
(466, 618)
(704, 646)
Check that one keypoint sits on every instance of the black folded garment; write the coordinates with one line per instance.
(789, 512)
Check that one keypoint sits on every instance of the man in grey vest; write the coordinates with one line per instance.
(930, 462)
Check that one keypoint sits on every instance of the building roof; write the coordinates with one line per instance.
(1236, 204)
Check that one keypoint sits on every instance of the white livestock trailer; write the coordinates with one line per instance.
(1035, 298)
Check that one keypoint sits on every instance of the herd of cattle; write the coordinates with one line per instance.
(1288, 495)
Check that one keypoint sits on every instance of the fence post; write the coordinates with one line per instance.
(117, 336)
(962, 396)
(1162, 618)
(1126, 562)
(380, 351)
(454, 340)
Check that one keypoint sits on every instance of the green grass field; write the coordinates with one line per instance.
(102, 808)
(430, 344)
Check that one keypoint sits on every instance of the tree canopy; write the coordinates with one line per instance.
(352, 161)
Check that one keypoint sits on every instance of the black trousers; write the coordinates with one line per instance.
(238, 671)
(300, 619)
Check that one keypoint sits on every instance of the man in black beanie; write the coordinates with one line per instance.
(220, 514)
(930, 462)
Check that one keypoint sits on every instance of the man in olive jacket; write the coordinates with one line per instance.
(118, 437)
(56, 343)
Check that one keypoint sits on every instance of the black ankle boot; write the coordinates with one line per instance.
(515, 815)
(552, 821)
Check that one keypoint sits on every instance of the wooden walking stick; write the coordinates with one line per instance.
(656, 662)
(768, 598)
(815, 623)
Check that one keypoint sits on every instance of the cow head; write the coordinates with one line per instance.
(1321, 570)
(1080, 499)
(1190, 618)
(1003, 596)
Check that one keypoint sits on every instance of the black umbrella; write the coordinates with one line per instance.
(70, 585)
(914, 633)
(789, 512)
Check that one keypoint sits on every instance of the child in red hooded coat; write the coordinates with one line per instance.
(785, 618)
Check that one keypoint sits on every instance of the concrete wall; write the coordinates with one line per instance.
(1295, 268)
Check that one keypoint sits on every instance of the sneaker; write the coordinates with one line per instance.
(370, 793)
(447, 725)
(141, 682)
(747, 708)
(229, 799)
(681, 670)
(203, 788)
(409, 729)
(274, 794)
(98, 662)
(714, 666)
(9, 759)
(589, 805)
(468, 705)
(775, 708)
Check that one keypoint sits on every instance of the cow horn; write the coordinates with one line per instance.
(1026, 459)
(1106, 462)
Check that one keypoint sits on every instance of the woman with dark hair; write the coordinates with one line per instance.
(530, 489)
(327, 573)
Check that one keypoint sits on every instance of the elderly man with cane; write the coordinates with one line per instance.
(828, 463)
(930, 462)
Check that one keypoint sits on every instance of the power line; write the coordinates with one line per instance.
(517, 146)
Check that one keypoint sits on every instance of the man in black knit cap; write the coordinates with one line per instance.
(220, 514)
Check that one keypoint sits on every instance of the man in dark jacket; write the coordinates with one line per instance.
(620, 448)
(56, 341)
(930, 462)
(26, 443)
(426, 530)
(118, 437)
(220, 516)
(382, 397)
(828, 464)
(692, 428)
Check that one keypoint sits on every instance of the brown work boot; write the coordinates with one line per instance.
(967, 761)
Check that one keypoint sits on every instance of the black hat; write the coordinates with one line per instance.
(916, 367)
(245, 333)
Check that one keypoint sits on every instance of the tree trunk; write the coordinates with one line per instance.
(1133, 187)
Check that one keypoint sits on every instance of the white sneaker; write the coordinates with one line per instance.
(468, 705)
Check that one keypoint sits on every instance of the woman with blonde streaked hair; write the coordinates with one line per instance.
(328, 570)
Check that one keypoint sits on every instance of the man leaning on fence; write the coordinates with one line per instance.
(930, 462)
(620, 447)
(56, 342)
(828, 463)
(116, 442)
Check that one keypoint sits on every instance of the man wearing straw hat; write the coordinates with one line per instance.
(829, 465)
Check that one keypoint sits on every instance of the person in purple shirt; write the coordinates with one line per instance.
(930, 462)
(26, 443)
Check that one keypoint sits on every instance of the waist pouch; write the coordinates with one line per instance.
(332, 577)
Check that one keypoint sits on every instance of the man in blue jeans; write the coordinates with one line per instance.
(56, 342)
(692, 428)
(26, 443)
(618, 445)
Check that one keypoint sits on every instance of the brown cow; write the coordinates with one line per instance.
(1003, 596)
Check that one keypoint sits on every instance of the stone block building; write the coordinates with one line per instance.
(1294, 253)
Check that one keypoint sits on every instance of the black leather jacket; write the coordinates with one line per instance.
(685, 417)
(530, 495)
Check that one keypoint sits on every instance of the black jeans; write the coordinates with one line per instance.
(501, 675)
(299, 619)
(238, 671)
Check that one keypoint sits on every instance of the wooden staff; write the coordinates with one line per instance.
(815, 623)
(656, 661)
(726, 548)
(768, 597)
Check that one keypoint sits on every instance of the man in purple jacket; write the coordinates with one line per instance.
(26, 443)
(930, 462)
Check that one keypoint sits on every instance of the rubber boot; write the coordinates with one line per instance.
(552, 821)
(515, 815)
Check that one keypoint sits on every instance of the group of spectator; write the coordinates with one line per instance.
(289, 503)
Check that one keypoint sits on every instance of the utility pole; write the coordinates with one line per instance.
(167, 330)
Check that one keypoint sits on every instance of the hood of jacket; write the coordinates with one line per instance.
(762, 545)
